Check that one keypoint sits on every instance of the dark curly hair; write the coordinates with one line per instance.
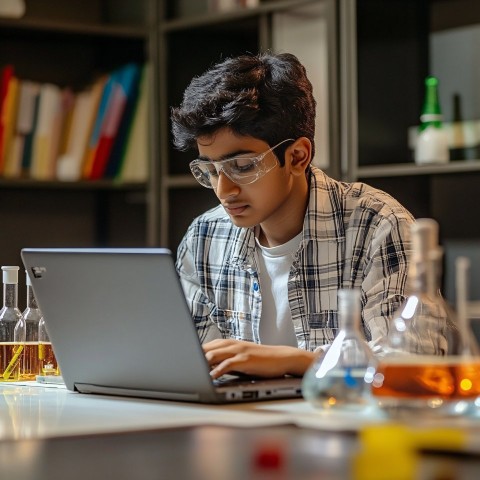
(265, 96)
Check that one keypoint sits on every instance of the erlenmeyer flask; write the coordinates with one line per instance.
(422, 367)
(341, 378)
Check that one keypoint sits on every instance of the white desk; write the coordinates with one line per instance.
(50, 433)
(29, 411)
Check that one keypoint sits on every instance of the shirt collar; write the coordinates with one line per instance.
(324, 216)
(323, 219)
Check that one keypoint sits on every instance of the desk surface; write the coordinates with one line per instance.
(49, 433)
(31, 410)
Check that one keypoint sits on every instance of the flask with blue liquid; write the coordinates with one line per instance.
(341, 378)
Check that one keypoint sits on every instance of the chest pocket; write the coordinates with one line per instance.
(233, 324)
(323, 328)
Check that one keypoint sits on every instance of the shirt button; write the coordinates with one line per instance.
(255, 286)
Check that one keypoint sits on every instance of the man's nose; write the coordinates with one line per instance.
(225, 186)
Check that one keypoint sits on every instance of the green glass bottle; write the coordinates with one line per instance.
(431, 112)
(432, 141)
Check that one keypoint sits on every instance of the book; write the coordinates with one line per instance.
(135, 162)
(5, 77)
(27, 93)
(58, 127)
(48, 108)
(10, 111)
(124, 89)
(68, 104)
(95, 133)
(29, 133)
(126, 128)
(83, 115)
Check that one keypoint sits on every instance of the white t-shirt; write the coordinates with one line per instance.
(276, 326)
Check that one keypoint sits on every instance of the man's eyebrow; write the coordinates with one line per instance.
(226, 156)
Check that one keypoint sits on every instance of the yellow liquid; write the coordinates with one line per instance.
(10, 359)
(47, 361)
(30, 364)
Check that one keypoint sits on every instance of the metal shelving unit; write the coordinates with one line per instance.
(189, 45)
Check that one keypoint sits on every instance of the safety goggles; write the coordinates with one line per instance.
(241, 169)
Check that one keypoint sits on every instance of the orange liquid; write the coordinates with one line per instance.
(48, 362)
(446, 378)
(10, 359)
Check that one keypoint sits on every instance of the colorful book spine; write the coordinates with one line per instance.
(97, 127)
(125, 86)
(71, 160)
(9, 121)
(43, 143)
(134, 164)
(123, 136)
(29, 136)
(5, 83)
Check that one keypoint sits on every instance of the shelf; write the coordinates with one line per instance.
(181, 181)
(101, 30)
(80, 185)
(222, 17)
(409, 169)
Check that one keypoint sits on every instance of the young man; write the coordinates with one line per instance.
(261, 271)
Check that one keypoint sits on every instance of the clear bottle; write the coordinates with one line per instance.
(12, 327)
(48, 361)
(30, 365)
(341, 378)
(422, 368)
(432, 141)
(468, 345)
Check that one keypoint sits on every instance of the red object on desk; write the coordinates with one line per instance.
(268, 457)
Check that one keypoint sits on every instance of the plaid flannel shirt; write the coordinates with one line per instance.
(353, 236)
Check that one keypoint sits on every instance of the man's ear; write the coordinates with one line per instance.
(300, 155)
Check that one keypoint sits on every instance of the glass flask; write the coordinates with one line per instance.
(30, 365)
(423, 366)
(12, 327)
(46, 355)
(468, 346)
(341, 378)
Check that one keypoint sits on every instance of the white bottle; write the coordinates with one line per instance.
(432, 141)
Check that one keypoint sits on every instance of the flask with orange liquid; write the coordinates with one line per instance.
(426, 364)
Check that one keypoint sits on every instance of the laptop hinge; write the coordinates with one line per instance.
(131, 392)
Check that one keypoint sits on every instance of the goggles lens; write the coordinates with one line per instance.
(242, 169)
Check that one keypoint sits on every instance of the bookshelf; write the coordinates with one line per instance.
(69, 44)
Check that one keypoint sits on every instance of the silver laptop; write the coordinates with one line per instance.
(120, 325)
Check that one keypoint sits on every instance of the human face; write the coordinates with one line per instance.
(263, 202)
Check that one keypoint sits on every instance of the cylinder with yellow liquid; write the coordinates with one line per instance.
(12, 328)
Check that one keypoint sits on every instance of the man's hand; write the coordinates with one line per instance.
(228, 355)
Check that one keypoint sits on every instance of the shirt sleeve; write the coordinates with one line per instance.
(385, 276)
(384, 289)
(198, 303)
